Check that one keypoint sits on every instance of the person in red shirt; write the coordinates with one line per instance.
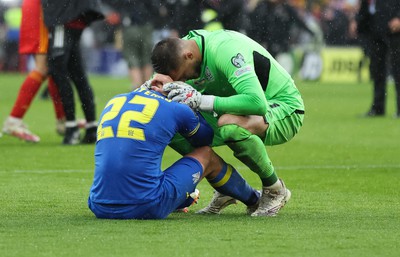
(33, 41)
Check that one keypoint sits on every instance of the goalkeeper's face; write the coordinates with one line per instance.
(189, 69)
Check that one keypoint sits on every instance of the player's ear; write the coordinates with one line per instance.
(188, 55)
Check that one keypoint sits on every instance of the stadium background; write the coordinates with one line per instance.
(311, 58)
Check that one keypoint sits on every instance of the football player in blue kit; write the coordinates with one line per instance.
(133, 132)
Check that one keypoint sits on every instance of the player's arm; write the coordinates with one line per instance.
(249, 100)
(194, 127)
(238, 68)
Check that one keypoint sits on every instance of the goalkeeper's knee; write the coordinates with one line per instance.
(233, 133)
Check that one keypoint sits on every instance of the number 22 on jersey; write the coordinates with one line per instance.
(124, 128)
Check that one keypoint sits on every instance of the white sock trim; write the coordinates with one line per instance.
(71, 124)
(276, 186)
(14, 119)
(91, 124)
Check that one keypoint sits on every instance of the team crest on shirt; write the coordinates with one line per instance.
(238, 60)
(208, 74)
(196, 177)
(208, 77)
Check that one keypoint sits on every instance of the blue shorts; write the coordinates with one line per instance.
(177, 182)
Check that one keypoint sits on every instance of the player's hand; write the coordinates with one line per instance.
(183, 93)
(160, 79)
(156, 83)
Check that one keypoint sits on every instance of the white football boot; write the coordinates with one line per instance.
(72, 136)
(16, 128)
(272, 200)
(217, 204)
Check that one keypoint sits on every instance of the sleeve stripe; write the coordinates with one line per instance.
(194, 130)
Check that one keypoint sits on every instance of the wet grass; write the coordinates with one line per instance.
(343, 171)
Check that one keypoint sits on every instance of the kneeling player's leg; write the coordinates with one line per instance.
(250, 149)
(224, 177)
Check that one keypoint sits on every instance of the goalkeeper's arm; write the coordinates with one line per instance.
(250, 103)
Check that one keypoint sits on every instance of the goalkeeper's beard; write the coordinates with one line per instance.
(197, 69)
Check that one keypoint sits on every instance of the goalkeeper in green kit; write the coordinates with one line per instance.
(243, 93)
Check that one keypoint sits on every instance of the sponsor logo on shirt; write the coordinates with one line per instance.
(242, 70)
(238, 60)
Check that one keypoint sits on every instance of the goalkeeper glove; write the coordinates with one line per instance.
(183, 93)
(147, 84)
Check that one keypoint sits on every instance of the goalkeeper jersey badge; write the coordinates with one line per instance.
(238, 60)
(207, 77)
(208, 74)
(196, 177)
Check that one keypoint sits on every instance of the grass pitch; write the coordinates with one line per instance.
(343, 171)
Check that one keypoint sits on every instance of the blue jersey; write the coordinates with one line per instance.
(133, 132)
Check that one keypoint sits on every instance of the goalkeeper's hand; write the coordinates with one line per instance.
(183, 93)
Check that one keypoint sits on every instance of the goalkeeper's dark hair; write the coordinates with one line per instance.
(165, 55)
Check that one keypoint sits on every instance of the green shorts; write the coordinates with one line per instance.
(284, 123)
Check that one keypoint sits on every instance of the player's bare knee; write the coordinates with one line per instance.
(215, 165)
(239, 120)
(202, 154)
(227, 119)
(42, 71)
(253, 123)
(210, 161)
(41, 64)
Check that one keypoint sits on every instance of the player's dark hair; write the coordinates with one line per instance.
(165, 56)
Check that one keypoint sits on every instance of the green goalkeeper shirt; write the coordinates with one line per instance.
(242, 75)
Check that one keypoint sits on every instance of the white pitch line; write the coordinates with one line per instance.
(50, 171)
(242, 167)
(332, 167)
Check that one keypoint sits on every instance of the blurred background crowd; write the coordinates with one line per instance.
(280, 25)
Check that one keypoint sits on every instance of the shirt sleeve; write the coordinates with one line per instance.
(193, 127)
(238, 68)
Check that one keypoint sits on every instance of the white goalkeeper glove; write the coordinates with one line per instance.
(183, 93)
(147, 84)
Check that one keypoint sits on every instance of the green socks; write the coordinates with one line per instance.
(250, 149)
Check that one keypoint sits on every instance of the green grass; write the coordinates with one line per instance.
(343, 171)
